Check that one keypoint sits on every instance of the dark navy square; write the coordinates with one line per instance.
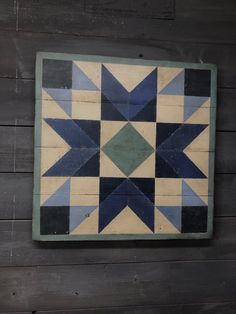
(57, 74)
(194, 219)
(54, 220)
(197, 83)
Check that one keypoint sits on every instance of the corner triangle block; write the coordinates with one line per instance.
(61, 197)
(190, 198)
(173, 214)
(80, 81)
(78, 214)
(63, 97)
(175, 87)
(192, 104)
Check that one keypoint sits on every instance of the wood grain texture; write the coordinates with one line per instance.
(8, 14)
(17, 56)
(16, 102)
(83, 286)
(18, 249)
(205, 308)
(131, 277)
(157, 20)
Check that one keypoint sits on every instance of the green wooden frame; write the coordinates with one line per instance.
(37, 155)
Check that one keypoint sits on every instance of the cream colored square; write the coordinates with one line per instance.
(84, 200)
(161, 200)
(86, 96)
(170, 114)
(84, 185)
(168, 187)
(170, 100)
(86, 110)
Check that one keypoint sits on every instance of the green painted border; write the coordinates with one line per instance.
(37, 160)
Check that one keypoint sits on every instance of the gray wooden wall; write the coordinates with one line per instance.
(171, 277)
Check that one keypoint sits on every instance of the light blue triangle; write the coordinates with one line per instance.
(192, 104)
(80, 81)
(78, 214)
(189, 197)
(62, 97)
(175, 87)
(61, 197)
(173, 214)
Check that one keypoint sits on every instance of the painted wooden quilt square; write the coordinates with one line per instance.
(124, 149)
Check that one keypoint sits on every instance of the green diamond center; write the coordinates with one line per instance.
(127, 149)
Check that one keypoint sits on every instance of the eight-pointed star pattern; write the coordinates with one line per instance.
(124, 148)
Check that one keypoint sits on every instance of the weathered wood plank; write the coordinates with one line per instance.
(84, 286)
(225, 152)
(193, 21)
(18, 249)
(17, 203)
(16, 102)
(16, 150)
(17, 56)
(16, 194)
(226, 110)
(225, 196)
(8, 14)
(206, 308)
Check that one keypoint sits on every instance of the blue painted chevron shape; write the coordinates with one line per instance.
(129, 104)
(170, 155)
(71, 162)
(126, 194)
(71, 132)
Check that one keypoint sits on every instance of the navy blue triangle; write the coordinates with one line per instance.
(91, 128)
(142, 94)
(164, 131)
(182, 137)
(143, 208)
(148, 113)
(115, 92)
(181, 164)
(146, 186)
(109, 112)
(110, 208)
(163, 169)
(90, 168)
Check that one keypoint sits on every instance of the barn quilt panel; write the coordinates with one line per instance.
(124, 148)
